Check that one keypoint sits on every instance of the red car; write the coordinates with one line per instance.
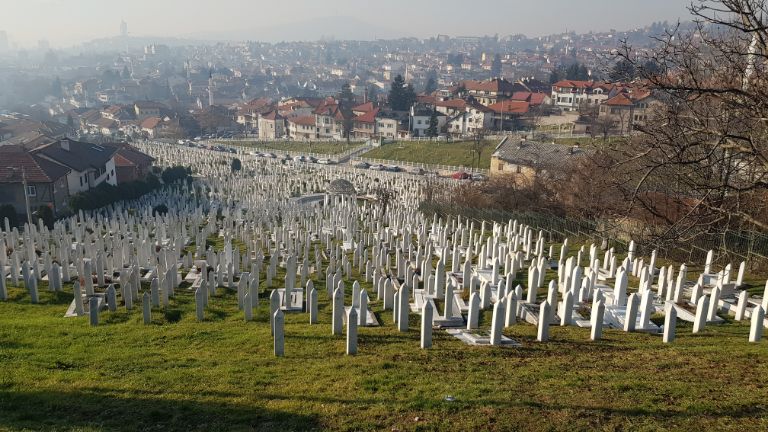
(461, 176)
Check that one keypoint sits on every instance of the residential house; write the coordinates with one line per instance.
(386, 126)
(90, 164)
(364, 125)
(151, 126)
(528, 159)
(533, 99)
(302, 128)
(330, 120)
(271, 126)
(144, 109)
(46, 181)
(508, 114)
(420, 121)
(131, 164)
(628, 109)
(488, 92)
(571, 95)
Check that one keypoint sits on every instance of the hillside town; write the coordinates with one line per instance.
(320, 90)
(565, 231)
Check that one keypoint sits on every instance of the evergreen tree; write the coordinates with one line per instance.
(496, 66)
(556, 75)
(624, 70)
(126, 73)
(431, 82)
(401, 96)
(432, 129)
(409, 96)
(346, 97)
(373, 94)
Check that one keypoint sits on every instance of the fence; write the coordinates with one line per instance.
(734, 247)
(425, 167)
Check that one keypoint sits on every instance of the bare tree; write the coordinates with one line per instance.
(700, 164)
(479, 143)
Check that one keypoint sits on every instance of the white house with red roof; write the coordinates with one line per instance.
(572, 94)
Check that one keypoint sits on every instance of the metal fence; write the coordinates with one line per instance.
(734, 247)
(424, 166)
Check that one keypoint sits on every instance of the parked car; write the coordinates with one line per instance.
(362, 165)
(376, 167)
(393, 168)
(461, 175)
(479, 177)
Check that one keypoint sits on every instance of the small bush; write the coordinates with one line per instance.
(7, 211)
(46, 214)
(236, 165)
(160, 209)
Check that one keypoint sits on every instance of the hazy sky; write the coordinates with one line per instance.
(66, 22)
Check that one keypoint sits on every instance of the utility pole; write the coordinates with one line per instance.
(26, 196)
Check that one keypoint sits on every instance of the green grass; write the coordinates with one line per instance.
(177, 374)
(434, 153)
(330, 148)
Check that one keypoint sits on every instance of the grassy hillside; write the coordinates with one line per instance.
(177, 374)
(435, 153)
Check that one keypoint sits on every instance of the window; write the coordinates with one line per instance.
(31, 191)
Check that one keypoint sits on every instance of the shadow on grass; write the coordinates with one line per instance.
(103, 410)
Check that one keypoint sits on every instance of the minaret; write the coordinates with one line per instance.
(210, 88)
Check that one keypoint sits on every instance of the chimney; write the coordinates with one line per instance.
(65, 144)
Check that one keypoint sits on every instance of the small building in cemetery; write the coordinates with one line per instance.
(526, 159)
(341, 187)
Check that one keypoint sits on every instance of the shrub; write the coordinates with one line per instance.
(236, 165)
(46, 214)
(160, 209)
(7, 211)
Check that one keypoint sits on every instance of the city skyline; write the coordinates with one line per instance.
(307, 20)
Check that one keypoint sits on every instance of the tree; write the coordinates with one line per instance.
(346, 96)
(409, 96)
(45, 214)
(699, 167)
(496, 66)
(7, 211)
(373, 94)
(433, 123)
(401, 96)
(126, 73)
(384, 197)
(623, 71)
(431, 85)
(236, 165)
(556, 75)
(577, 72)
(478, 146)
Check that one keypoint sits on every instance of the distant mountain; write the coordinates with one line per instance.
(336, 27)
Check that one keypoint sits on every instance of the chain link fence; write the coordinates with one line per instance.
(732, 247)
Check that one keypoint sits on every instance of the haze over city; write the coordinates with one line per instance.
(551, 215)
(30, 21)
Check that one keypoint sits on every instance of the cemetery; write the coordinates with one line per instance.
(294, 296)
